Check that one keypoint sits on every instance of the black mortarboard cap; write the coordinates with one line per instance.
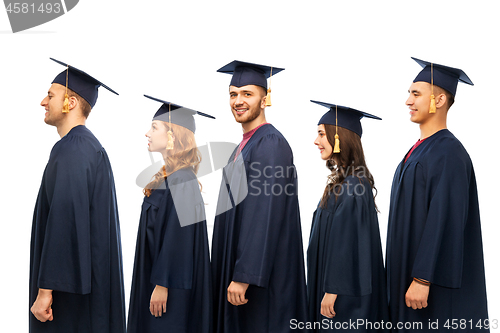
(245, 73)
(80, 82)
(346, 117)
(176, 114)
(442, 76)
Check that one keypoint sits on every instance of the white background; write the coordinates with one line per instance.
(353, 53)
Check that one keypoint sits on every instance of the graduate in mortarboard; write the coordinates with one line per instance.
(345, 267)
(171, 280)
(257, 256)
(435, 267)
(76, 278)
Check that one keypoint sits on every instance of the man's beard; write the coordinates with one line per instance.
(248, 116)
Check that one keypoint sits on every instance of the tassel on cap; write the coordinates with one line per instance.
(170, 142)
(336, 148)
(65, 108)
(268, 96)
(432, 107)
(170, 135)
(66, 104)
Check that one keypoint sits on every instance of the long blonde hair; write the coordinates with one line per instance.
(184, 155)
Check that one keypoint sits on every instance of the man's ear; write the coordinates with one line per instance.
(263, 101)
(73, 102)
(440, 100)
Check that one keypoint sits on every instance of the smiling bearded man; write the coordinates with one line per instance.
(257, 254)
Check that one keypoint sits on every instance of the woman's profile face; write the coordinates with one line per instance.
(157, 136)
(325, 148)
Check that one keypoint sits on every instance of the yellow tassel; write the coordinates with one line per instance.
(336, 149)
(66, 98)
(432, 108)
(170, 142)
(268, 97)
(66, 104)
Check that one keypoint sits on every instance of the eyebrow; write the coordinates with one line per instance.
(241, 91)
(414, 91)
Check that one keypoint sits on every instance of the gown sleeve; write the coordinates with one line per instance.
(175, 244)
(271, 183)
(348, 269)
(439, 258)
(65, 261)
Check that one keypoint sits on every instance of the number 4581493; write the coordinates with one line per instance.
(462, 324)
(26, 8)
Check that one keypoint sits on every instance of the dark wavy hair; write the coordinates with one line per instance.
(349, 162)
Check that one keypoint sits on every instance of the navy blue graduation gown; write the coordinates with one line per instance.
(259, 241)
(345, 258)
(434, 233)
(174, 257)
(75, 240)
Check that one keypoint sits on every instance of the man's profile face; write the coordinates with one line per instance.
(246, 102)
(418, 102)
(53, 104)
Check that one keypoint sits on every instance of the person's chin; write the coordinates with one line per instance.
(414, 116)
(414, 120)
(240, 118)
(48, 121)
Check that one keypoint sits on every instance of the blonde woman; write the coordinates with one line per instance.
(171, 280)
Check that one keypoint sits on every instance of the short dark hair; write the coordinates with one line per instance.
(84, 105)
(264, 90)
(450, 99)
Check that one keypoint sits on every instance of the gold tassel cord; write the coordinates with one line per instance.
(432, 107)
(268, 96)
(336, 148)
(170, 142)
(66, 97)
(170, 135)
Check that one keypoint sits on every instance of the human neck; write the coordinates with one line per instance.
(248, 126)
(64, 128)
(430, 128)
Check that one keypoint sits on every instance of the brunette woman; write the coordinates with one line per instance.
(171, 286)
(346, 279)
